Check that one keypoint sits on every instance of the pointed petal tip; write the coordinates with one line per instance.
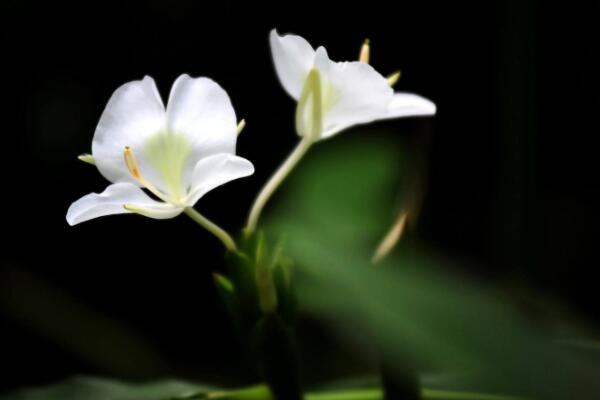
(251, 168)
(184, 76)
(70, 220)
(275, 38)
(245, 166)
(410, 105)
(429, 107)
(321, 50)
(71, 216)
(75, 213)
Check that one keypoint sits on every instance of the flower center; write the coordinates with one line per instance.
(169, 153)
(134, 170)
(330, 95)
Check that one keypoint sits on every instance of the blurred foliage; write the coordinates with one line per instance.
(87, 388)
(415, 309)
(70, 323)
(103, 389)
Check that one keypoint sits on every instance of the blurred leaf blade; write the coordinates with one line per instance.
(414, 307)
(90, 388)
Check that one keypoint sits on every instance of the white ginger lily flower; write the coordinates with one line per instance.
(331, 96)
(351, 93)
(178, 154)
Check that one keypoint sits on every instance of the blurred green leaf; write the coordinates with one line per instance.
(88, 333)
(332, 194)
(414, 309)
(88, 388)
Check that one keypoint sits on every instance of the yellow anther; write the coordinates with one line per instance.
(394, 78)
(241, 125)
(365, 52)
(132, 165)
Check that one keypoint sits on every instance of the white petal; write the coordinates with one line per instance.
(200, 110)
(408, 105)
(113, 200)
(133, 113)
(353, 93)
(293, 57)
(215, 171)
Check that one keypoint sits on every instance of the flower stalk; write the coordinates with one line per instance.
(309, 124)
(213, 228)
(275, 181)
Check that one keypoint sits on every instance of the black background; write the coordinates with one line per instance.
(512, 190)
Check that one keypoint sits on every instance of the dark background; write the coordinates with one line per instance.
(512, 177)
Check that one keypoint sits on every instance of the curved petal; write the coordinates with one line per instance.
(293, 57)
(113, 200)
(217, 170)
(408, 105)
(200, 110)
(133, 114)
(352, 93)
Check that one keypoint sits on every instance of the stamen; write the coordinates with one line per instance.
(134, 170)
(365, 52)
(132, 164)
(394, 78)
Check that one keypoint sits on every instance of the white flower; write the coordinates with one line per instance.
(351, 93)
(178, 154)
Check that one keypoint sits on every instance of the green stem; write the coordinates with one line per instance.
(212, 228)
(276, 180)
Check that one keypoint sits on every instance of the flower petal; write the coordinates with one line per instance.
(293, 57)
(217, 170)
(200, 110)
(408, 105)
(352, 93)
(113, 201)
(133, 113)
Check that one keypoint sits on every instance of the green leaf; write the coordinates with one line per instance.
(88, 388)
(223, 283)
(226, 291)
(415, 309)
(344, 194)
